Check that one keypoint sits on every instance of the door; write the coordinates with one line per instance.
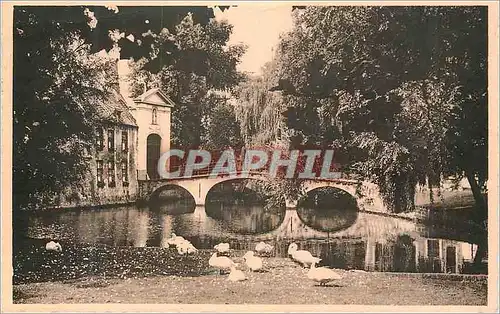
(451, 259)
(153, 155)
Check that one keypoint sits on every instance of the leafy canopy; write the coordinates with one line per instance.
(200, 62)
(399, 91)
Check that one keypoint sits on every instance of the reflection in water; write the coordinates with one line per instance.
(246, 219)
(140, 229)
(174, 206)
(328, 220)
(166, 229)
(329, 198)
(342, 239)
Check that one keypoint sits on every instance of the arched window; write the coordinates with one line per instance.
(155, 116)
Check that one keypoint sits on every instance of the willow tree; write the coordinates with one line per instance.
(258, 110)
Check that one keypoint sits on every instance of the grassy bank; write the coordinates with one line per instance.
(32, 263)
(104, 274)
(284, 282)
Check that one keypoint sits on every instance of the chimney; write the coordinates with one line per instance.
(123, 82)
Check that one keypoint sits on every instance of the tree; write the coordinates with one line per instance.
(221, 129)
(57, 84)
(318, 61)
(131, 20)
(258, 110)
(193, 59)
(405, 87)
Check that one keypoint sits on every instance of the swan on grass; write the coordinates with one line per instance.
(222, 263)
(53, 246)
(302, 256)
(222, 248)
(236, 274)
(263, 248)
(174, 240)
(322, 275)
(252, 262)
(186, 247)
(182, 245)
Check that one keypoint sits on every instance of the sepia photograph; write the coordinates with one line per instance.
(237, 154)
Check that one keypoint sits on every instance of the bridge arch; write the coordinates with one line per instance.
(244, 181)
(355, 189)
(328, 209)
(200, 187)
(310, 192)
(156, 193)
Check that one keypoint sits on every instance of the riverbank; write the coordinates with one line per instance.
(283, 283)
(103, 274)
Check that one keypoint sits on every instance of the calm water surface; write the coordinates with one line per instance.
(346, 239)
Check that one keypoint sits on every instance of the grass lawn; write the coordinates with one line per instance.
(284, 282)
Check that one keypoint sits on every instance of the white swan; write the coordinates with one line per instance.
(222, 263)
(175, 239)
(186, 247)
(302, 256)
(222, 248)
(53, 246)
(252, 262)
(263, 248)
(236, 274)
(322, 275)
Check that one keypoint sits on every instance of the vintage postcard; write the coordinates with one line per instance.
(250, 156)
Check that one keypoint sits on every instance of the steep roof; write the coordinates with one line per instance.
(115, 110)
(155, 97)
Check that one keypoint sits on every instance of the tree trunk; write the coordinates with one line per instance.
(19, 226)
(482, 251)
(19, 232)
(480, 217)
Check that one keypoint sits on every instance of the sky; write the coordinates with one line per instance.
(259, 27)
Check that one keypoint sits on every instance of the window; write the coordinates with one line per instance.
(111, 173)
(124, 141)
(100, 179)
(124, 173)
(111, 140)
(100, 139)
(155, 116)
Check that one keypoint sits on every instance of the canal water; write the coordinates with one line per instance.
(342, 238)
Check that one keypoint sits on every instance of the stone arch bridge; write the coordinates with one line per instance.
(366, 194)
